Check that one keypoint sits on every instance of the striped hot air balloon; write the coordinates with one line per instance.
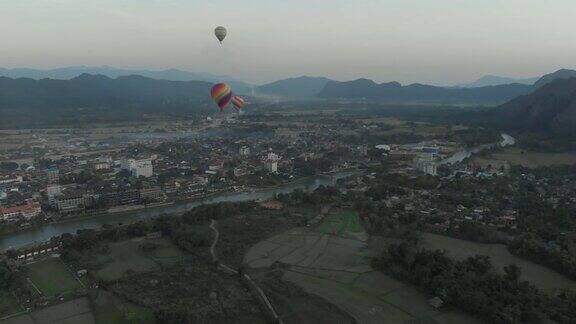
(238, 102)
(222, 94)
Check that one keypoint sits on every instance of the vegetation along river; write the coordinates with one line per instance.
(45, 232)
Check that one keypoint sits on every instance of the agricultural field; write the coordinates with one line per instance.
(114, 260)
(531, 159)
(338, 269)
(296, 306)
(51, 278)
(344, 224)
(544, 278)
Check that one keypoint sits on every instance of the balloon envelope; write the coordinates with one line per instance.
(222, 94)
(220, 33)
(238, 102)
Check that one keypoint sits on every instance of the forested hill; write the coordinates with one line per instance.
(550, 109)
(91, 98)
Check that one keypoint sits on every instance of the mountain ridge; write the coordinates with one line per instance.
(90, 98)
(550, 109)
(67, 73)
(303, 86)
(394, 92)
(560, 74)
(494, 80)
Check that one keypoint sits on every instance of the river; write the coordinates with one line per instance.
(45, 232)
(458, 157)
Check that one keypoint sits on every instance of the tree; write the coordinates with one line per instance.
(512, 272)
(5, 276)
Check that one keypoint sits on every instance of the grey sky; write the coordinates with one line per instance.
(431, 41)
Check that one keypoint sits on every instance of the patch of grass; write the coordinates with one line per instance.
(531, 159)
(8, 304)
(136, 314)
(344, 222)
(52, 277)
(352, 221)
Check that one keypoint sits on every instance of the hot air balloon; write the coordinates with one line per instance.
(222, 94)
(238, 102)
(220, 33)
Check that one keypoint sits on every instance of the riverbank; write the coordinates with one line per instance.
(44, 232)
(507, 140)
(127, 209)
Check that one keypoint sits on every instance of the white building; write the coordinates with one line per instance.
(271, 162)
(10, 180)
(8, 183)
(139, 168)
(102, 163)
(53, 192)
(244, 150)
(383, 147)
(427, 163)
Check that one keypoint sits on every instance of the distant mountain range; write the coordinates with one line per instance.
(550, 109)
(493, 80)
(67, 73)
(394, 92)
(88, 98)
(294, 87)
(489, 89)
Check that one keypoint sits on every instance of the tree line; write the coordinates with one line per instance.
(474, 286)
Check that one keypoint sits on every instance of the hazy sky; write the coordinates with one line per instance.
(430, 41)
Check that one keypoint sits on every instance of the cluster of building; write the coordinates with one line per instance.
(76, 177)
(160, 171)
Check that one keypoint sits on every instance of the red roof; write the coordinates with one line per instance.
(28, 207)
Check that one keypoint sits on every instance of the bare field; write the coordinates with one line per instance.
(337, 269)
(540, 276)
(532, 159)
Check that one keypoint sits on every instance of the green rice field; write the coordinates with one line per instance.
(344, 222)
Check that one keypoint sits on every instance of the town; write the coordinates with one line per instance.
(344, 176)
(50, 178)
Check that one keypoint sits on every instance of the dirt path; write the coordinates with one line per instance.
(262, 296)
(216, 237)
